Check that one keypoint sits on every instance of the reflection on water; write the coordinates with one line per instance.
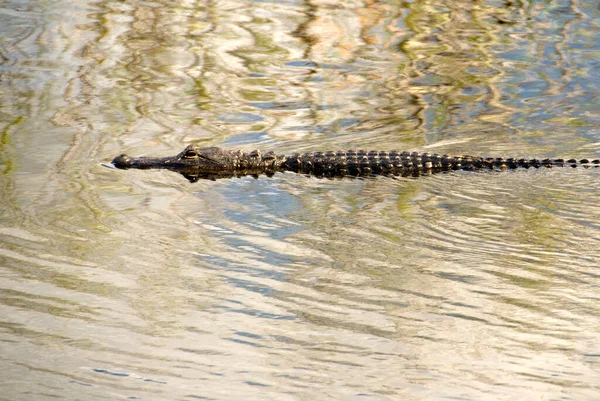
(138, 284)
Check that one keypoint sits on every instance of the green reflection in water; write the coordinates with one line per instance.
(482, 274)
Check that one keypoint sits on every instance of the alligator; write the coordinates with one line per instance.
(196, 163)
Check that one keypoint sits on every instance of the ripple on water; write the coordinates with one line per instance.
(478, 255)
(140, 285)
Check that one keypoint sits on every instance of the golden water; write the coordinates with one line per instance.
(139, 285)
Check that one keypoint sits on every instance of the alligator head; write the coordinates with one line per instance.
(196, 162)
(205, 159)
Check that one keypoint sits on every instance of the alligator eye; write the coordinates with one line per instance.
(191, 154)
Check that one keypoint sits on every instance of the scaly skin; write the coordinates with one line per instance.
(196, 162)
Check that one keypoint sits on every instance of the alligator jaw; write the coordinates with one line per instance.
(124, 162)
(210, 163)
(203, 159)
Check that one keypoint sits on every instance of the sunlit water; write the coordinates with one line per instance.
(140, 285)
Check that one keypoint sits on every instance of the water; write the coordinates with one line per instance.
(140, 285)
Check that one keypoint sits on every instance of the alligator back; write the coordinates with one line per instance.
(364, 163)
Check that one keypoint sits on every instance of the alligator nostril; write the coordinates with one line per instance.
(122, 161)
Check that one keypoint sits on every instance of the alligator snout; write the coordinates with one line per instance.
(122, 161)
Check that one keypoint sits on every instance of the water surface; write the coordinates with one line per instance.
(141, 285)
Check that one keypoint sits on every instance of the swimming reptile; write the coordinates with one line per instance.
(196, 162)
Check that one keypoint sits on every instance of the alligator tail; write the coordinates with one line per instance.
(363, 163)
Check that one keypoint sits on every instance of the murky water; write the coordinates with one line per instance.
(140, 285)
